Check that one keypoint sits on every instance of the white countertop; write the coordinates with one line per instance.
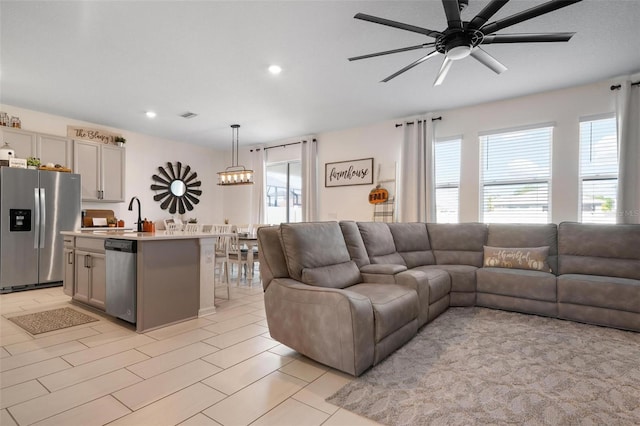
(141, 236)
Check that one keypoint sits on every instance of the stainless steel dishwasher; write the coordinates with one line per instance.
(121, 278)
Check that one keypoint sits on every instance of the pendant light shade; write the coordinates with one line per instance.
(235, 174)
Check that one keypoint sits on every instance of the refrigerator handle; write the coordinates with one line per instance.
(36, 216)
(43, 217)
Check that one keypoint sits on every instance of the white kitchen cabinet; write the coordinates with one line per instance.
(69, 262)
(22, 141)
(90, 272)
(48, 148)
(102, 168)
(53, 149)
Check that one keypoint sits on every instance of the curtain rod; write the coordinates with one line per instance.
(618, 86)
(281, 146)
(419, 121)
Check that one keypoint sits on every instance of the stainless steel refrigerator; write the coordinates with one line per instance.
(36, 205)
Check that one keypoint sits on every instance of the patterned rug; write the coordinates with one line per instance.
(482, 366)
(56, 319)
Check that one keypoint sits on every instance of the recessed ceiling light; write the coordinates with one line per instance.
(150, 114)
(275, 69)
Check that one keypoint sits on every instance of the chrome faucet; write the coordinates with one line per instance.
(139, 216)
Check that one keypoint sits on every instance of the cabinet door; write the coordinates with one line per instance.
(86, 162)
(69, 272)
(54, 149)
(98, 282)
(22, 142)
(83, 277)
(113, 172)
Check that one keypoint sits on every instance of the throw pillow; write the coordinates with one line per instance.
(534, 258)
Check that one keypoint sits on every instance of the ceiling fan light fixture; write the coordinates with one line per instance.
(458, 52)
(235, 174)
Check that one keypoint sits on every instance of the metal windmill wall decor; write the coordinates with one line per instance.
(180, 190)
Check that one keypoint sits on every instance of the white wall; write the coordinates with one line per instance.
(382, 141)
(144, 154)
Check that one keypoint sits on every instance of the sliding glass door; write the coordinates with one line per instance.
(284, 192)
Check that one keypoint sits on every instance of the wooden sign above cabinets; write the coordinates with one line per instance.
(95, 135)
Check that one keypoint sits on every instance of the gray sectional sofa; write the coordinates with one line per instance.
(348, 294)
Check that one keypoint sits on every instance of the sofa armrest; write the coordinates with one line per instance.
(380, 272)
(332, 326)
(418, 281)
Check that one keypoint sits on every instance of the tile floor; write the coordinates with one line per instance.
(222, 369)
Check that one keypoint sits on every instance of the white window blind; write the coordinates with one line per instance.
(598, 170)
(516, 175)
(447, 172)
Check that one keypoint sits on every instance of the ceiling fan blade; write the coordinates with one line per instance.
(411, 65)
(452, 10)
(400, 25)
(526, 38)
(536, 11)
(485, 14)
(388, 52)
(444, 69)
(488, 60)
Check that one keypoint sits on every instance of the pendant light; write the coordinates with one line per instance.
(235, 174)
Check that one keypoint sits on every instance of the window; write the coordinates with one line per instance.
(284, 192)
(516, 176)
(598, 170)
(447, 171)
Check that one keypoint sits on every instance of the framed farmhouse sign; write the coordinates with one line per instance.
(345, 173)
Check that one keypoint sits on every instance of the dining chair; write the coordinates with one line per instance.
(255, 251)
(191, 227)
(237, 255)
(223, 243)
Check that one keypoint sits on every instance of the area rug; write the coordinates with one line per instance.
(56, 319)
(482, 366)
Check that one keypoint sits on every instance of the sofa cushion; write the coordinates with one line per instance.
(457, 243)
(526, 235)
(534, 258)
(603, 292)
(379, 243)
(463, 277)
(526, 284)
(355, 244)
(607, 250)
(412, 243)
(308, 246)
(394, 306)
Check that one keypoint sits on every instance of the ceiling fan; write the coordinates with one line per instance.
(461, 38)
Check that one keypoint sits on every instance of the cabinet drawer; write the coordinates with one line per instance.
(92, 244)
(69, 242)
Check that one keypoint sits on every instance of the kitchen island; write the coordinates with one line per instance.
(174, 274)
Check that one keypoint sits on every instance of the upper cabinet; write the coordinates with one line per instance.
(48, 148)
(102, 168)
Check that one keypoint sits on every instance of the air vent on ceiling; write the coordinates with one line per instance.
(188, 114)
